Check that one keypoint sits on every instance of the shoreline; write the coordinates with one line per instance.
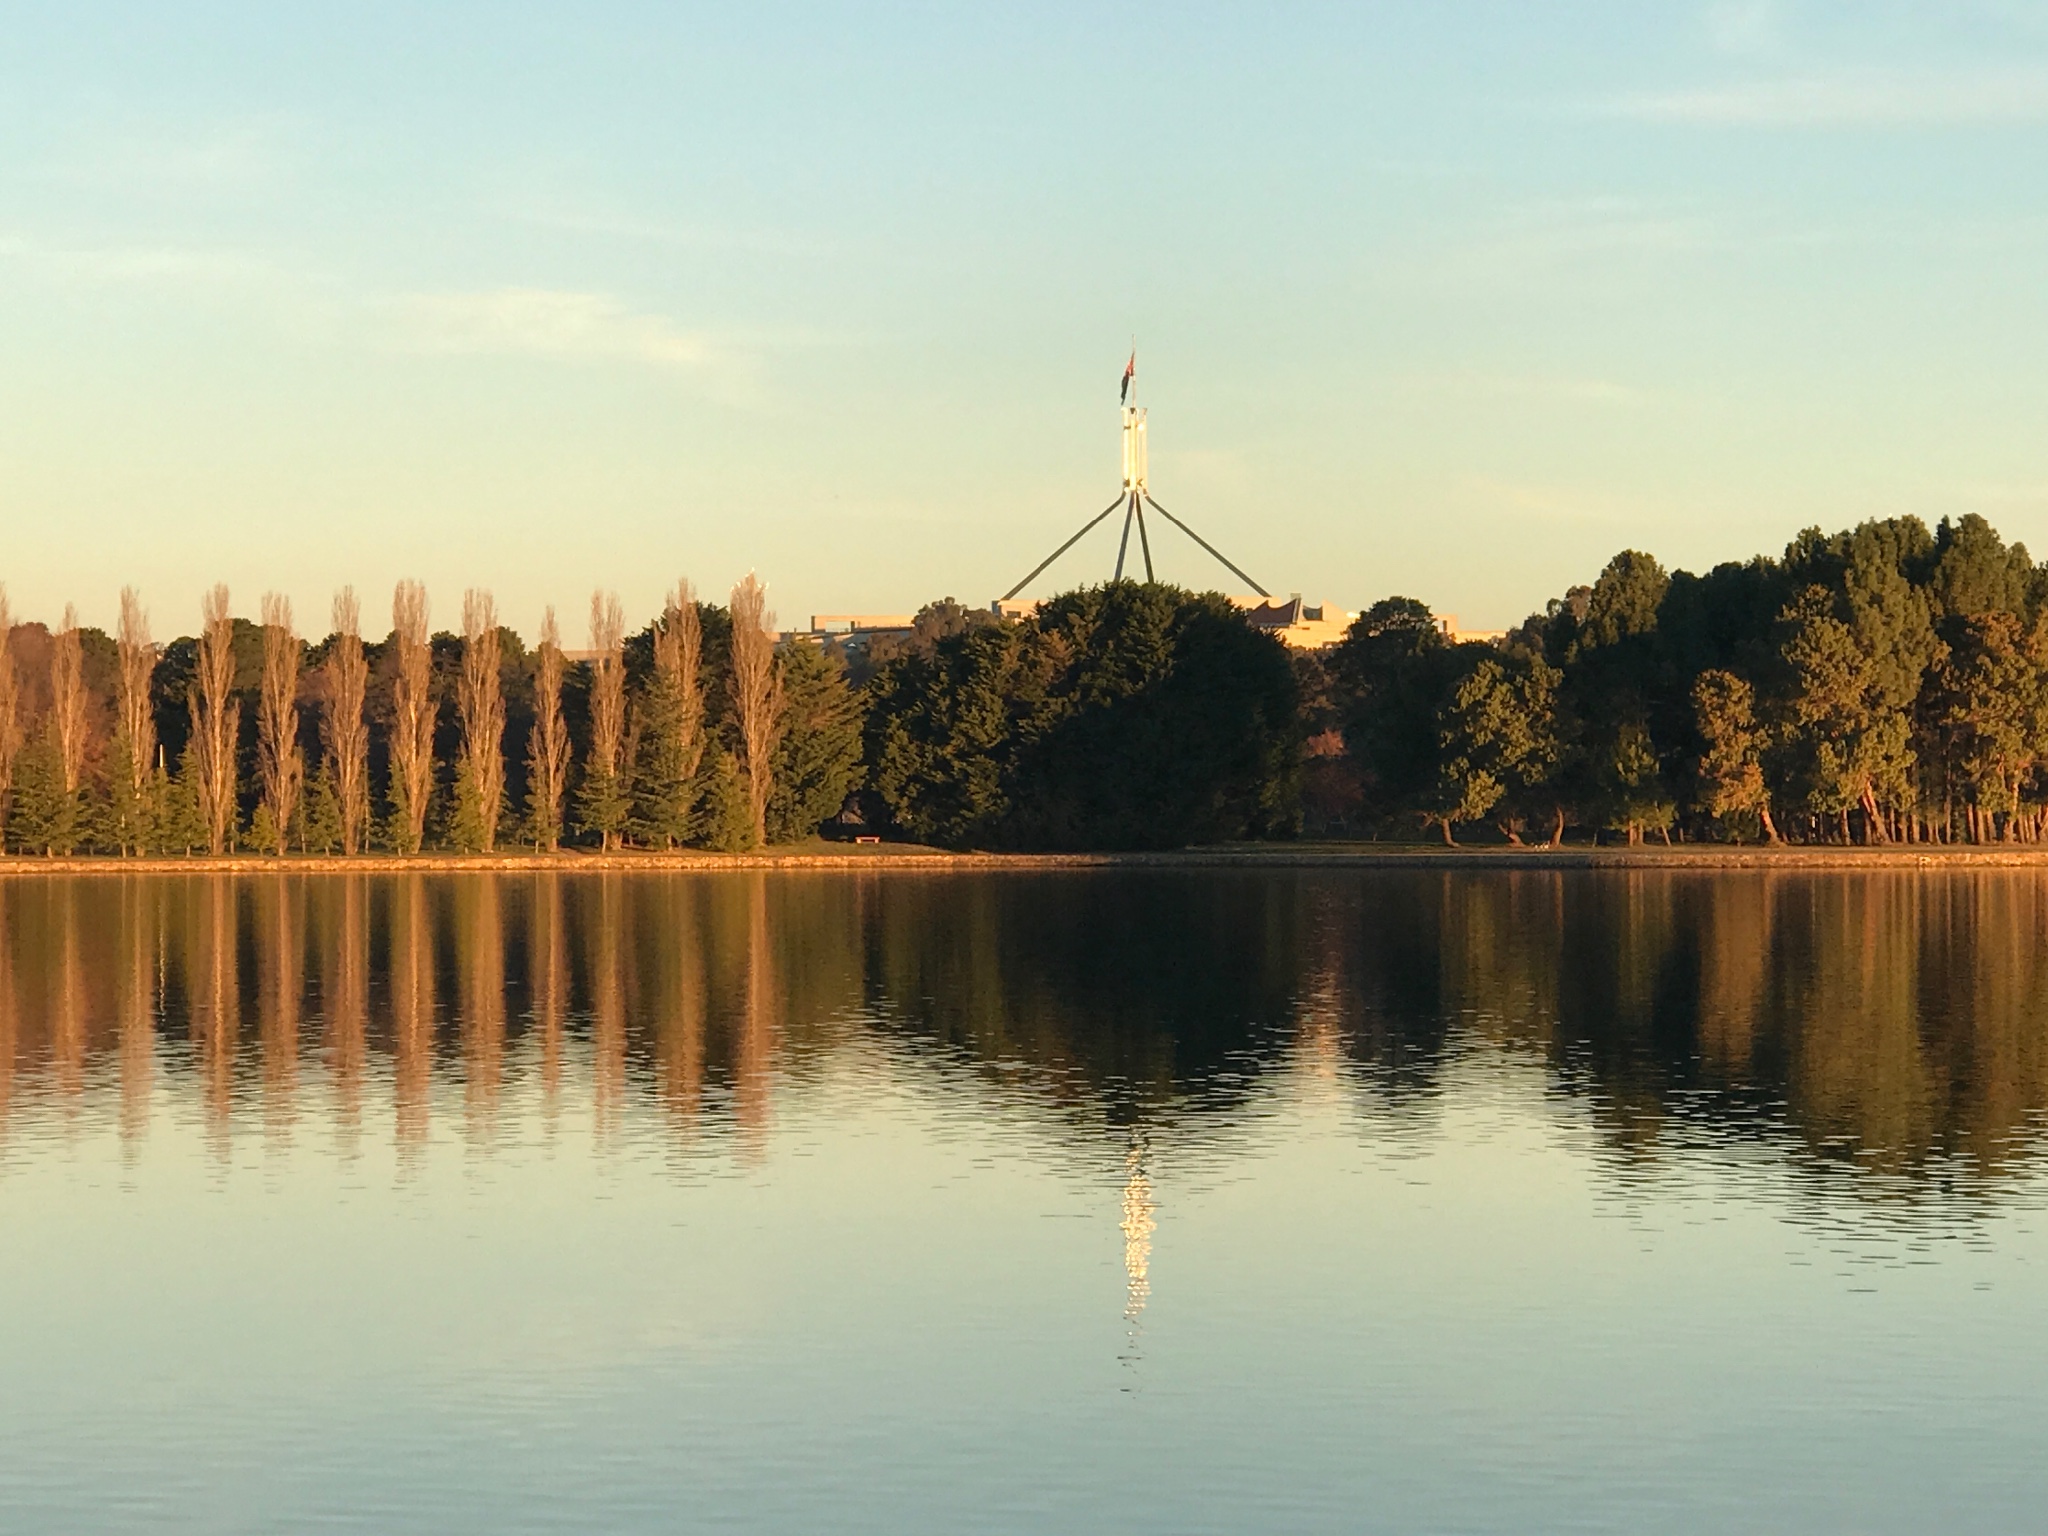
(902, 858)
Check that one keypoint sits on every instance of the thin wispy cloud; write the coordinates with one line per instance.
(1866, 98)
(218, 267)
(543, 322)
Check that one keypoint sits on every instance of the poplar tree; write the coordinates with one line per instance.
(135, 736)
(343, 731)
(757, 698)
(480, 786)
(279, 760)
(10, 711)
(67, 703)
(412, 718)
(216, 717)
(547, 748)
(603, 803)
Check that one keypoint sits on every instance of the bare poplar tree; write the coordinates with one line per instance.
(10, 710)
(137, 655)
(604, 807)
(547, 751)
(277, 719)
(412, 715)
(483, 714)
(216, 717)
(342, 728)
(756, 694)
(67, 701)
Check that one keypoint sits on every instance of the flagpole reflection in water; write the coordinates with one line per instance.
(1138, 1224)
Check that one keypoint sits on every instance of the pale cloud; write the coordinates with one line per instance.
(1865, 98)
(136, 263)
(543, 322)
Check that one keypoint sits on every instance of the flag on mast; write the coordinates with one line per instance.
(1123, 395)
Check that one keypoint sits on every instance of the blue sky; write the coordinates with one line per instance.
(1448, 300)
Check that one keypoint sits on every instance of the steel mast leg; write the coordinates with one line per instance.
(1144, 543)
(1048, 560)
(1184, 528)
(1124, 543)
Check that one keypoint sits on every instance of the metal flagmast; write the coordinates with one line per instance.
(1134, 498)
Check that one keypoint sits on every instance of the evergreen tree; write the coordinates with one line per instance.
(181, 821)
(45, 815)
(1127, 715)
(263, 833)
(470, 830)
(321, 819)
(725, 822)
(663, 799)
(818, 762)
(131, 816)
(1731, 774)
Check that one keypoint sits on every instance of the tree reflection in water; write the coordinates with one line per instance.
(1884, 1024)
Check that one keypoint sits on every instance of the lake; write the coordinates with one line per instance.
(1174, 1201)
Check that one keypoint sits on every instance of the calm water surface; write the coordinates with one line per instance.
(1177, 1201)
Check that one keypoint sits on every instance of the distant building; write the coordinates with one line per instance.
(1305, 626)
(1302, 625)
(1448, 623)
(853, 631)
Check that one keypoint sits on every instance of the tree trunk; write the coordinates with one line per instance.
(1557, 831)
(1445, 823)
(1770, 827)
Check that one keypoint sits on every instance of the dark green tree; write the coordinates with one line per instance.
(818, 760)
(1129, 715)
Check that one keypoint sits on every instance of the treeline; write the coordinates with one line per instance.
(1123, 716)
(1884, 684)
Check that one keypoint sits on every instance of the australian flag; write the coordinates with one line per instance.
(1123, 395)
